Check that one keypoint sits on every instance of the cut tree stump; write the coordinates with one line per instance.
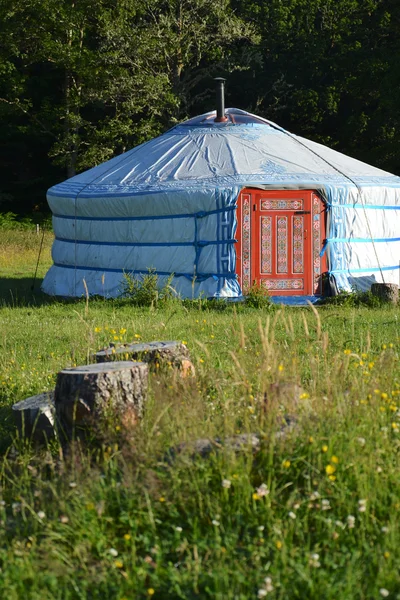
(86, 392)
(35, 417)
(156, 354)
(388, 292)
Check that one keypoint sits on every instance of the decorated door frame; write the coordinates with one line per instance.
(280, 235)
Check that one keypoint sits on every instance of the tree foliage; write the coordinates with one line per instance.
(81, 81)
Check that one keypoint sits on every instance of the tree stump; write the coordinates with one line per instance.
(156, 354)
(387, 292)
(35, 417)
(85, 393)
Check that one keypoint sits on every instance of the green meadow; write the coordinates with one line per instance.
(314, 514)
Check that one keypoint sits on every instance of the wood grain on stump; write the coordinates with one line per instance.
(388, 292)
(35, 417)
(156, 354)
(101, 389)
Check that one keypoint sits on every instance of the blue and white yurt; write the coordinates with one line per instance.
(223, 203)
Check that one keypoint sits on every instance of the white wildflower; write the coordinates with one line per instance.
(384, 592)
(314, 495)
(113, 552)
(72, 484)
(261, 528)
(292, 515)
(178, 529)
(268, 584)
(361, 441)
(263, 490)
(314, 561)
(226, 483)
(379, 469)
(262, 593)
(41, 514)
(339, 524)
(215, 522)
(351, 520)
(384, 529)
(362, 505)
(325, 504)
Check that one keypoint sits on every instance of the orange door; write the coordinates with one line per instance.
(279, 241)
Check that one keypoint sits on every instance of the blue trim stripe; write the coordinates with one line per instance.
(145, 272)
(369, 270)
(370, 206)
(362, 240)
(146, 244)
(197, 215)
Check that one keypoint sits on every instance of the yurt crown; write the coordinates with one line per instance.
(220, 94)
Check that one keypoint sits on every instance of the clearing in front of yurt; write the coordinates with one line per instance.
(263, 475)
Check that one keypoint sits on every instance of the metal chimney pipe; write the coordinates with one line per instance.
(220, 95)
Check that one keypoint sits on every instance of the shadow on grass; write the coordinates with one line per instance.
(22, 291)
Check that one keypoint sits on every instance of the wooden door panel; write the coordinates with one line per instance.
(280, 236)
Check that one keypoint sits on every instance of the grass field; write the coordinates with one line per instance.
(315, 515)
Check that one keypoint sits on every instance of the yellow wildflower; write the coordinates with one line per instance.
(278, 544)
(127, 537)
(324, 448)
(334, 459)
(119, 564)
(330, 469)
(151, 592)
(286, 464)
(347, 351)
(332, 477)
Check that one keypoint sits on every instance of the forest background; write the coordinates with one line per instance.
(83, 80)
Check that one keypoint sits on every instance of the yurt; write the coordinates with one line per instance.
(223, 201)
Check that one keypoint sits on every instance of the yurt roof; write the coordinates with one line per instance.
(244, 150)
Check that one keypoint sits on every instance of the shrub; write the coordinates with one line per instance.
(258, 297)
(9, 220)
(146, 290)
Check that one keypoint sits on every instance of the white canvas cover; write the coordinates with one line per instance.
(169, 205)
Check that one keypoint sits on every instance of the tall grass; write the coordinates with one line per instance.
(313, 514)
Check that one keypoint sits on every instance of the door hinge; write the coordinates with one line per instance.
(302, 212)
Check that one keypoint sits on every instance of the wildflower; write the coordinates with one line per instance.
(262, 593)
(41, 514)
(64, 519)
(386, 555)
(261, 528)
(268, 584)
(72, 484)
(262, 490)
(184, 342)
(384, 592)
(314, 560)
(332, 477)
(330, 469)
(292, 515)
(255, 496)
(361, 441)
(278, 544)
(311, 439)
(304, 396)
(97, 329)
(325, 504)
(178, 529)
(339, 524)
(113, 552)
(280, 368)
(151, 592)
(379, 469)
(286, 464)
(334, 459)
(122, 331)
(226, 483)
(119, 564)
(324, 448)
(215, 522)
(127, 537)
(384, 529)
(161, 499)
(347, 351)
(362, 505)
(351, 520)
(384, 396)
(314, 495)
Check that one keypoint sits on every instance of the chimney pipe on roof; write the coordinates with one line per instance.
(220, 93)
